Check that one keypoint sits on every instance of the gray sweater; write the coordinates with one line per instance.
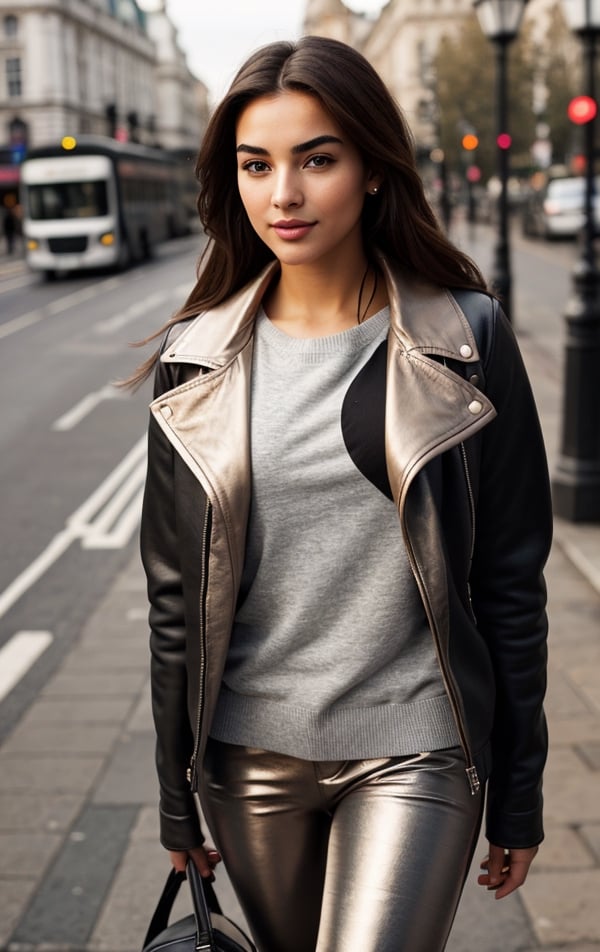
(331, 656)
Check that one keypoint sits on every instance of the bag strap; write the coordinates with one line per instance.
(205, 941)
(160, 919)
(204, 901)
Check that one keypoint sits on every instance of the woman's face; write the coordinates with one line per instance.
(301, 180)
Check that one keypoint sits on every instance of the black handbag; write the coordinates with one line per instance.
(205, 930)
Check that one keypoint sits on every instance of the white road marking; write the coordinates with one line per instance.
(18, 323)
(58, 306)
(10, 284)
(105, 326)
(18, 655)
(152, 302)
(76, 414)
(115, 323)
(119, 534)
(106, 520)
(114, 525)
(72, 300)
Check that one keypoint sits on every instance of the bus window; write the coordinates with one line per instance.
(67, 200)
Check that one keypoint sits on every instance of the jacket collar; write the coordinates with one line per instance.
(423, 317)
(215, 337)
(427, 318)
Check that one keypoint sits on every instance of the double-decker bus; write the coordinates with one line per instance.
(94, 202)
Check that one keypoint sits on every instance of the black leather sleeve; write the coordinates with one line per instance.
(513, 537)
(179, 822)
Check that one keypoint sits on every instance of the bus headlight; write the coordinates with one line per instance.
(108, 238)
(32, 244)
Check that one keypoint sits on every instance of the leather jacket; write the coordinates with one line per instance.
(467, 470)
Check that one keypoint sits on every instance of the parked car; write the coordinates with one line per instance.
(557, 209)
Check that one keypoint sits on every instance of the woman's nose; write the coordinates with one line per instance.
(286, 190)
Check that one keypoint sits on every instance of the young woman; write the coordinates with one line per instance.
(345, 524)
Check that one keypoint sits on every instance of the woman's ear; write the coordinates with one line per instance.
(374, 181)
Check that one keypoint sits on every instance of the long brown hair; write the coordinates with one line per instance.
(399, 222)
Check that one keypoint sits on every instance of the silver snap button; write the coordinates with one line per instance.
(475, 407)
(474, 379)
(466, 351)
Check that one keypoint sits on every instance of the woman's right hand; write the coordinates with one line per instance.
(204, 858)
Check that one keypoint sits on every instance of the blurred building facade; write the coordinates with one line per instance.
(181, 100)
(102, 67)
(401, 42)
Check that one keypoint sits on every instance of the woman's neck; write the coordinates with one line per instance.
(314, 302)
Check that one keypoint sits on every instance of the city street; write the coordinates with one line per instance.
(71, 444)
(80, 865)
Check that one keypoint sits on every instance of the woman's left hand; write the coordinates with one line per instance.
(505, 870)
(205, 859)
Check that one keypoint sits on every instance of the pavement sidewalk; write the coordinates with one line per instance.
(12, 264)
(80, 864)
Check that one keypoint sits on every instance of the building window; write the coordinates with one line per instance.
(11, 25)
(13, 76)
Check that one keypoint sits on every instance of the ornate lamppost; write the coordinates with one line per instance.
(500, 21)
(576, 482)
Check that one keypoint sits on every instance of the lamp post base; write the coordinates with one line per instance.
(576, 491)
(576, 484)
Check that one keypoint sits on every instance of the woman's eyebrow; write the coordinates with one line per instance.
(313, 143)
(295, 150)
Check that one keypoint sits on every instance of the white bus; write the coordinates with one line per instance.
(93, 202)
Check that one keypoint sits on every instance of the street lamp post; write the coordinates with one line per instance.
(500, 21)
(576, 483)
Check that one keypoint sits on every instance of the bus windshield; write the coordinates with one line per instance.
(54, 200)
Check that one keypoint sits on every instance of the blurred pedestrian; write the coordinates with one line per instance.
(345, 523)
(9, 225)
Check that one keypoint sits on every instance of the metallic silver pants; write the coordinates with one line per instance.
(341, 856)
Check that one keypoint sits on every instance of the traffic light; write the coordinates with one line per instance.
(469, 142)
(582, 109)
(504, 141)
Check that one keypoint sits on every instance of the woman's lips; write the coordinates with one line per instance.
(293, 229)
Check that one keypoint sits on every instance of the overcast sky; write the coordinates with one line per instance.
(217, 35)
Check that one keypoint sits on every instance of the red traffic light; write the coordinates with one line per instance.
(582, 109)
(504, 141)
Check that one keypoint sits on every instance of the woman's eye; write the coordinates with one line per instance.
(319, 161)
(255, 165)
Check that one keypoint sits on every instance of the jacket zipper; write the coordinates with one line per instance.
(470, 770)
(192, 772)
(471, 501)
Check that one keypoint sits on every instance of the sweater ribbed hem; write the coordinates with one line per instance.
(340, 733)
